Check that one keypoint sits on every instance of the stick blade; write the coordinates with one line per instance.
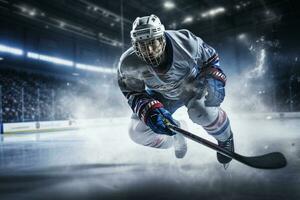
(273, 160)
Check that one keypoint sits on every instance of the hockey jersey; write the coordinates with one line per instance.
(189, 55)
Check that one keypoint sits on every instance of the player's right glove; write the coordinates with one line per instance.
(156, 121)
(155, 116)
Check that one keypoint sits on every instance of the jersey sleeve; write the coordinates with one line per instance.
(209, 61)
(207, 55)
(133, 88)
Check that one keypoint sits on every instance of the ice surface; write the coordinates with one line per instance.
(103, 163)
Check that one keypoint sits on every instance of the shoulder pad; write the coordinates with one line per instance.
(184, 40)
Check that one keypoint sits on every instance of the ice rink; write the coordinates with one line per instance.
(103, 163)
(72, 72)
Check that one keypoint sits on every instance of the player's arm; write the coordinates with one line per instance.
(148, 109)
(134, 91)
(213, 75)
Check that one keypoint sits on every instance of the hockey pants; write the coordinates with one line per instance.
(213, 119)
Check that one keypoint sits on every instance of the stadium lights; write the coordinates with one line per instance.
(237, 7)
(242, 4)
(62, 24)
(69, 63)
(55, 60)
(242, 36)
(169, 5)
(32, 13)
(116, 44)
(23, 9)
(95, 8)
(213, 12)
(188, 19)
(173, 25)
(11, 50)
(94, 68)
(51, 59)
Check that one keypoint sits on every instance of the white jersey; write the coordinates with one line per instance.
(189, 55)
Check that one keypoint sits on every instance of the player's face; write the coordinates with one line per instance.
(151, 49)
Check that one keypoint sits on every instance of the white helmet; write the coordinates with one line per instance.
(148, 39)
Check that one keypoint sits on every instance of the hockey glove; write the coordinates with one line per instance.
(215, 92)
(155, 120)
(155, 115)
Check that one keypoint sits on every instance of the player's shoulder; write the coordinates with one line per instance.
(182, 34)
(130, 64)
(184, 40)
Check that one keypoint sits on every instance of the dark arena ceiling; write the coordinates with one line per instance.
(110, 21)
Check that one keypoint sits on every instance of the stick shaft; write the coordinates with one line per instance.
(273, 160)
(203, 141)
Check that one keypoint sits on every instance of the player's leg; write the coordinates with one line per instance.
(216, 123)
(142, 134)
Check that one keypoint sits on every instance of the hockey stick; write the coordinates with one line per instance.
(273, 160)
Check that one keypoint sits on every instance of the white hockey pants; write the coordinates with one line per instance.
(213, 119)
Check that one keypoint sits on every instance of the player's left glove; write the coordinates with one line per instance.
(215, 92)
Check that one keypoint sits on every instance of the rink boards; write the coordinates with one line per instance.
(63, 125)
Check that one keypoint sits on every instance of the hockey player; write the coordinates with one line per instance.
(167, 69)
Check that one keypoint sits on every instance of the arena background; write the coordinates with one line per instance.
(64, 120)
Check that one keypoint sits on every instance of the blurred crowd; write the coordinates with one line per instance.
(35, 97)
(28, 96)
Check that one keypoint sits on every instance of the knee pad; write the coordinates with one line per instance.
(200, 114)
(213, 119)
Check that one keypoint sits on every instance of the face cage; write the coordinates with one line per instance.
(141, 50)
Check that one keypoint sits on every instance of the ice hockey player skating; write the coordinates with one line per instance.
(165, 70)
